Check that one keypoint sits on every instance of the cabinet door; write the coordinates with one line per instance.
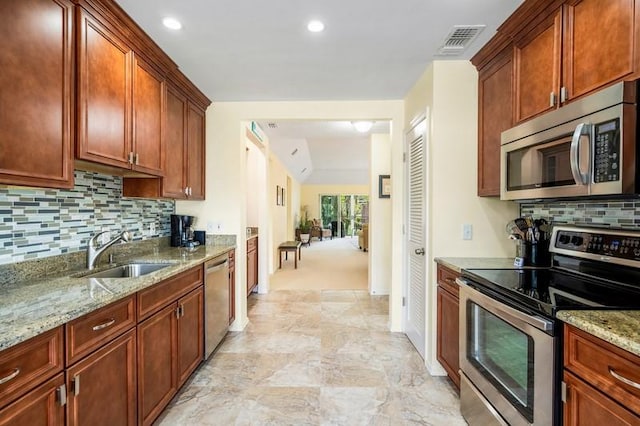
(157, 363)
(537, 68)
(148, 106)
(102, 386)
(252, 269)
(190, 334)
(196, 152)
(598, 45)
(37, 93)
(232, 286)
(587, 406)
(174, 182)
(448, 351)
(495, 115)
(104, 94)
(40, 407)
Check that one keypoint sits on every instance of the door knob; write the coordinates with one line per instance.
(420, 251)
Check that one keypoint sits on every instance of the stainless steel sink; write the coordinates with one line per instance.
(129, 270)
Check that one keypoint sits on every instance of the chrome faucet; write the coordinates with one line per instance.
(94, 250)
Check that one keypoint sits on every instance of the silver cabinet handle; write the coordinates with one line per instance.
(563, 95)
(623, 379)
(137, 157)
(11, 376)
(552, 99)
(190, 191)
(109, 323)
(131, 157)
(574, 153)
(186, 190)
(62, 395)
(178, 312)
(76, 384)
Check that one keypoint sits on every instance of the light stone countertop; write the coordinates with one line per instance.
(457, 264)
(620, 328)
(29, 309)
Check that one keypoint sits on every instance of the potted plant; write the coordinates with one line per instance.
(305, 227)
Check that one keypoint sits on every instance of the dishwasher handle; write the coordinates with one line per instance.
(217, 266)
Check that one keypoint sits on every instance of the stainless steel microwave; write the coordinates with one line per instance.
(586, 148)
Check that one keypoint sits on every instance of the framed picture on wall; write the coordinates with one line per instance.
(282, 197)
(278, 196)
(384, 186)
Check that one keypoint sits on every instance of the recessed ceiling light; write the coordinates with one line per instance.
(171, 23)
(315, 26)
(362, 126)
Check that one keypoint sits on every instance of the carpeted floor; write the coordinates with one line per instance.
(335, 264)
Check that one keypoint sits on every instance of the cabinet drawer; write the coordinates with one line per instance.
(154, 298)
(89, 332)
(30, 363)
(598, 362)
(252, 244)
(447, 279)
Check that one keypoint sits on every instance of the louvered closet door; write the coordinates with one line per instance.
(415, 298)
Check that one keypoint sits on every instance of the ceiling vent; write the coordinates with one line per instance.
(272, 125)
(459, 38)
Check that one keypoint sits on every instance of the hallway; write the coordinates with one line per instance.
(315, 357)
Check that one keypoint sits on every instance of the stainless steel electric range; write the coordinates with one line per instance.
(510, 339)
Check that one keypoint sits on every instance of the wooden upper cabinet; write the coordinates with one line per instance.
(495, 115)
(36, 100)
(175, 165)
(104, 94)
(537, 68)
(196, 152)
(598, 44)
(148, 105)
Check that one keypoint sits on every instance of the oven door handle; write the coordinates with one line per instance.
(579, 176)
(510, 314)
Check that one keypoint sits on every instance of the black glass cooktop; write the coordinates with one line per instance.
(548, 290)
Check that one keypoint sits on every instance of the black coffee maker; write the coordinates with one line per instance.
(182, 230)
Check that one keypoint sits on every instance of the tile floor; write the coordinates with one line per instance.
(315, 358)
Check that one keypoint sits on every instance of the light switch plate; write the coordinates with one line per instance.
(467, 231)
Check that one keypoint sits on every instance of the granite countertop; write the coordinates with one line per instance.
(459, 263)
(620, 328)
(31, 308)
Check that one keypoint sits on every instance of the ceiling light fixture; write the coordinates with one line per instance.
(315, 26)
(362, 126)
(171, 23)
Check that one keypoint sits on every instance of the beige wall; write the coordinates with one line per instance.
(226, 185)
(447, 95)
(278, 224)
(380, 213)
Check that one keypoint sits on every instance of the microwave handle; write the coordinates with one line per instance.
(574, 154)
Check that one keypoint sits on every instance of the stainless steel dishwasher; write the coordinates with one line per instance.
(216, 303)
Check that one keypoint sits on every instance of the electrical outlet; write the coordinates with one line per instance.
(467, 231)
(210, 227)
(152, 229)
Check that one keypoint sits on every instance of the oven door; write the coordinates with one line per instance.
(507, 361)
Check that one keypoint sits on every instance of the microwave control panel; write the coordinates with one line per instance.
(606, 158)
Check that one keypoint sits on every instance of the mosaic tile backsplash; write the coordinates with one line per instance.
(39, 222)
(601, 213)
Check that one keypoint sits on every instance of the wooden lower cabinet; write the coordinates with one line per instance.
(602, 381)
(170, 347)
(190, 328)
(448, 342)
(232, 286)
(252, 264)
(586, 405)
(40, 407)
(102, 387)
(157, 363)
